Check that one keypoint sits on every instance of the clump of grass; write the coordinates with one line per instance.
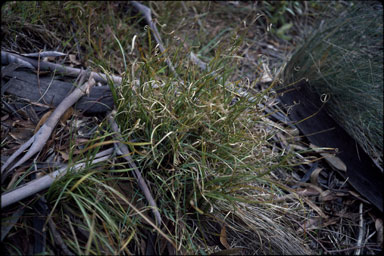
(199, 152)
(209, 163)
(344, 60)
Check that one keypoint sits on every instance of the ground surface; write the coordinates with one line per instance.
(307, 204)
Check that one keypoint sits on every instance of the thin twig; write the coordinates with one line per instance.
(38, 140)
(141, 181)
(44, 54)
(346, 249)
(58, 239)
(309, 233)
(38, 78)
(361, 230)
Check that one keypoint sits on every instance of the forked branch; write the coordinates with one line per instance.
(37, 141)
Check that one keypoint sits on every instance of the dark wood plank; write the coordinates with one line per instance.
(24, 84)
(364, 175)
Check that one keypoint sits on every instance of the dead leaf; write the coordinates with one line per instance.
(358, 197)
(327, 195)
(315, 176)
(330, 221)
(309, 191)
(267, 77)
(282, 139)
(312, 223)
(223, 237)
(23, 124)
(322, 149)
(21, 134)
(4, 117)
(42, 120)
(67, 114)
(379, 230)
(72, 59)
(317, 223)
(309, 185)
(108, 31)
(334, 161)
(64, 155)
(298, 147)
(80, 141)
(315, 208)
(49, 59)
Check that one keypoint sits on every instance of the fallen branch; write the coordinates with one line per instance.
(46, 181)
(126, 154)
(7, 57)
(146, 12)
(37, 141)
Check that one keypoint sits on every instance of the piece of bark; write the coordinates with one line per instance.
(24, 84)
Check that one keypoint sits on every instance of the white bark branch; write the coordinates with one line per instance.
(40, 138)
(46, 181)
(7, 57)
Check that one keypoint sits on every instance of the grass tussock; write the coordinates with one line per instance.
(207, 160)
(343, 59)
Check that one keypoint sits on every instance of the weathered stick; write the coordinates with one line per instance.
(7, 57)
(38, 140)
(59, 241)
(141, 181)
(46, 181)
(146, 12)
(44, 54)
(361, 231)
